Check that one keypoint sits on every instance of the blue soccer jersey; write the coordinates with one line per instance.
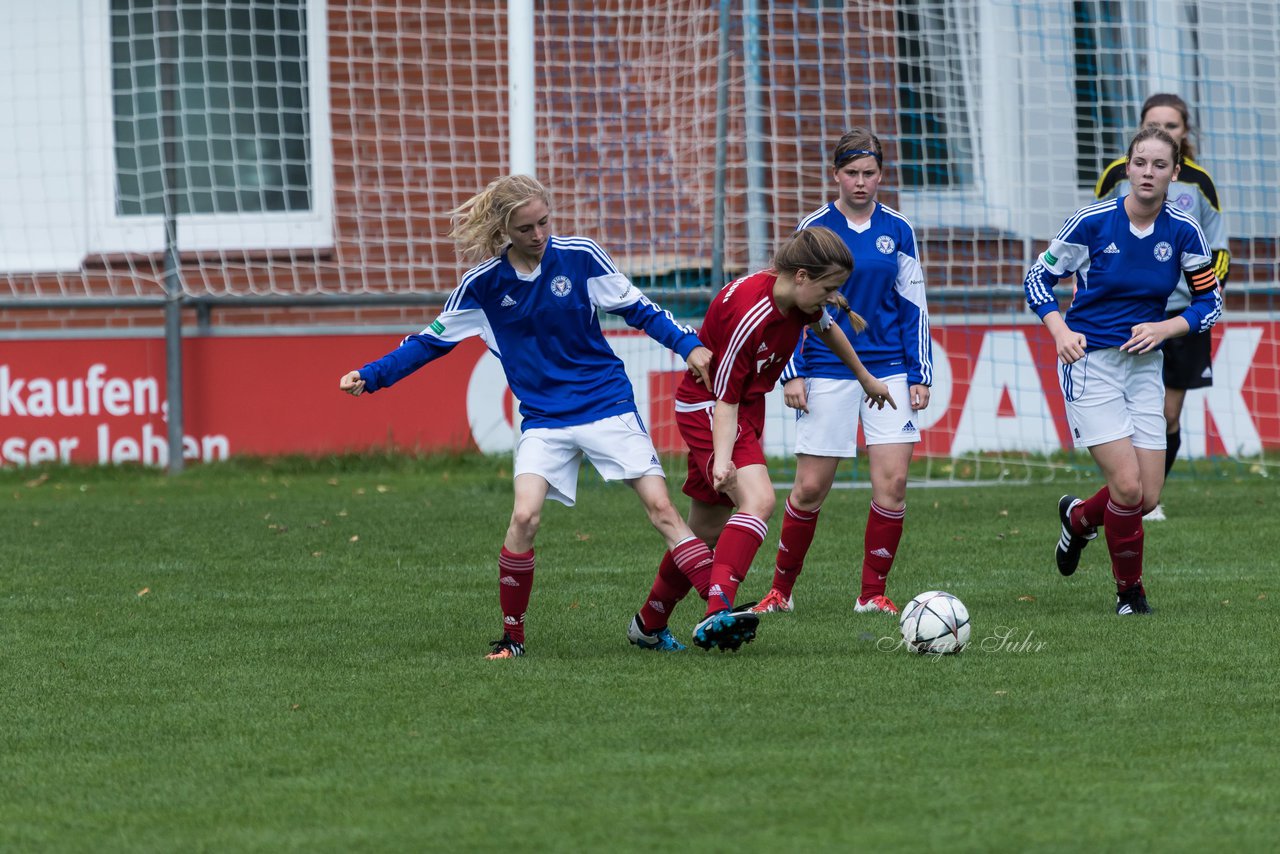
(887, 289)
(545, 329)
(1125, 276)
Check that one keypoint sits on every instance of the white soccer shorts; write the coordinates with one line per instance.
(1111, 395)
(830, 427)
(618, 447)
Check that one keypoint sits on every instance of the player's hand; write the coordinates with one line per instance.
(919, 397)
(1144, 337)
(878, 393)
(795, 394)
(352, 384)
(1070, 346)
(699, 362)
(724, 477)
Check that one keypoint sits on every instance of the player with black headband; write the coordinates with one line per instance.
(887, 288)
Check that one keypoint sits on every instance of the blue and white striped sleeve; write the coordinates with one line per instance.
(795, 365)
(913, 313)
(658, 324)
(613, 292)
(1067, 253)
(461, 318)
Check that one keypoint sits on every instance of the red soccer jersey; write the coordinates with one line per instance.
(750, 341)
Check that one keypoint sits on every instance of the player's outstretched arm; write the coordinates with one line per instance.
(352, 383)
(833, 336)
(613, 292)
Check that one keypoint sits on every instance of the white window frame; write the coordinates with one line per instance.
(111, 233)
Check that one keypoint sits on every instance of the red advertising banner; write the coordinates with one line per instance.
(104, 401)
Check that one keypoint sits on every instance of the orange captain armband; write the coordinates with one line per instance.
(1202, 280)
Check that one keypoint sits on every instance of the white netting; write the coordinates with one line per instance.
(317, 147)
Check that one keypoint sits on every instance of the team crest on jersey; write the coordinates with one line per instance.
(885, 244)
(1186, 201)
(1163, 251)
(560, 286)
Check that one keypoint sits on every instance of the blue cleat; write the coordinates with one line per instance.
(727, 629)
(659, 641)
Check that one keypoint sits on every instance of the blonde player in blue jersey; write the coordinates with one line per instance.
(1128, 255)
(534, 304)
(887, 288)
(1188, 361)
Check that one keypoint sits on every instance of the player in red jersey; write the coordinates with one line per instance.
(751, 327)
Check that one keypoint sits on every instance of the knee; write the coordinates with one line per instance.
(663, 514)
(808, 492)
(893, 492)
(524, 523)
(1127, 493)
(761, 506)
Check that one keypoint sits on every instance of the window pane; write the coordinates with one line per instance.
(241, 122)
(1106, 102)
(937, 63)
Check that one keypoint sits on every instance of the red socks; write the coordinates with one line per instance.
(880, 545)
(515, 583)
(736, 548)
(1123, 526)
(694, 560)
(798, 527)
(686, 566)
(1124, 540)
(1091, 513)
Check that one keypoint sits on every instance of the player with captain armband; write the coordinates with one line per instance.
(1128, 255)
(1188, 361)
(534, 301)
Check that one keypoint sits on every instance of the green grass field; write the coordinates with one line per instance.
(289, 656)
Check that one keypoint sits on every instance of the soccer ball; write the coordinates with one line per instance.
(936, 623)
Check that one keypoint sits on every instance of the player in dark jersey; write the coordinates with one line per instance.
(887, 288)
(752, 327)
(1188, 361)
(534, 303)
(1128, 255)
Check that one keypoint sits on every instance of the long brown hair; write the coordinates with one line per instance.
(821, 253)
(1168, 99)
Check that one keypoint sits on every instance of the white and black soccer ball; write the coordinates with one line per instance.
(936, 623)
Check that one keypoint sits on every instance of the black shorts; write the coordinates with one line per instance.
(1188, 361)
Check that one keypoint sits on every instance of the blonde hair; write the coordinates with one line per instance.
(480, 223)
(821, 253)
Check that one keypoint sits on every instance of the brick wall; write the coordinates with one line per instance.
(418, 99)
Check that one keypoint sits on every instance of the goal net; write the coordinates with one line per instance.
(312, 149)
